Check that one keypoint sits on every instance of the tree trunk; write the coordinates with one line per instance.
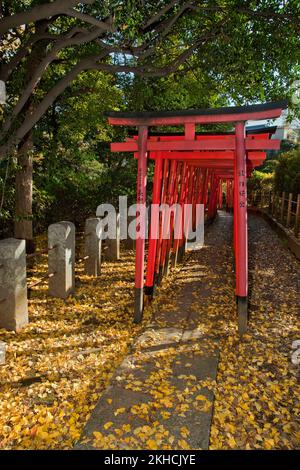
(24, 178)
(23, 205)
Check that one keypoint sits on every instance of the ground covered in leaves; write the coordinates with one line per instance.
(62, 362)
(257, 393)
(57, 367)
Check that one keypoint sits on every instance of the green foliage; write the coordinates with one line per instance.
(177, 91)
(260, 181)
(287, 172)
(74, 170)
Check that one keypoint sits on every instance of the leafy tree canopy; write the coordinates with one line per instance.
(247, 51)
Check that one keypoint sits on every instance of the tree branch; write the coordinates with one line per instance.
(7, 68)
(67, 41)
(151, 70)
(156, 18)
(38, 13)
(32, 118)
(141, 52)
(166, 26)
(91, 63)
(104, 26)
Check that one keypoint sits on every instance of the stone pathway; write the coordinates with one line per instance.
(161, 396)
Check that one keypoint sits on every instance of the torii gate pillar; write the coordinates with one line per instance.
(141, 229)
(241, 227)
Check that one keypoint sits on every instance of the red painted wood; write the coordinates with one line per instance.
(212, 196)
(169, 197)
(198, 155)
(154, 229)
(177, 241)
(164, 137)
(205, 189)
(174, 201)
(235, 211)
(184, 196)
(189, 131)
(220, 195)
(163, 201)
(141, 199)
(205, 144)
(190, 188)
(241, 214)
(262, 144)
(217, 155)
(201, 119)
(221, 164)
(200, 186)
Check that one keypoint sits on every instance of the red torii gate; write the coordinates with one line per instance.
(190, 168)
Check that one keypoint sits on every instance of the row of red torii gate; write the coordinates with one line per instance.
(192, 168)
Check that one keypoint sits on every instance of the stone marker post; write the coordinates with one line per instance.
(2, 353)
(13, 286)
(61, 259)
(113, 244)
(92, 246)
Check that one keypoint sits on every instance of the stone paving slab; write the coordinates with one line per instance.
(184, 352)
(117, 397)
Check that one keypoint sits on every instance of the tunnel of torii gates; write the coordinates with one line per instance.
(194, 168)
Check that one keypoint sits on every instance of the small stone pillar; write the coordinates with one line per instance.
(129, 242)
(13, 286)
(61, 259)
(113, 245)
(2, 353)
(92, 246)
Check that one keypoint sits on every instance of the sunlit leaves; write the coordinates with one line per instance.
(63, 385)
